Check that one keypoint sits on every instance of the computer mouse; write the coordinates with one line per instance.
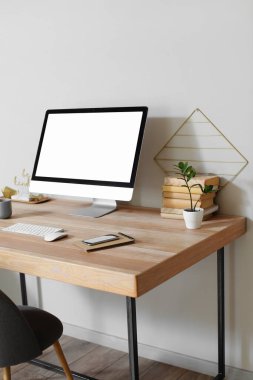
(55, 236)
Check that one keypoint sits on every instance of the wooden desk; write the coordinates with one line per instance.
(163, 248)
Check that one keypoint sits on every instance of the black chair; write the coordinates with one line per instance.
(24, 333)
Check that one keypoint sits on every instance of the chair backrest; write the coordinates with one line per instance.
(18, 343)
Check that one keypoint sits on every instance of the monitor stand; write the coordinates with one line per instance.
(98, 208)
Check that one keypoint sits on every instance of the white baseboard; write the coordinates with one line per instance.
(155, 353)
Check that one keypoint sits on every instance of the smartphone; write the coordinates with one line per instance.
(101, 239)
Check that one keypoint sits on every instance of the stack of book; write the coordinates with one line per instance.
(176, 197)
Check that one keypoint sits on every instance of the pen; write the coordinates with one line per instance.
(129, 237)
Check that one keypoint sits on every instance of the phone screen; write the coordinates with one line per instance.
(100, 239)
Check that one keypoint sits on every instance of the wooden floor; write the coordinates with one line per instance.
(103, 363)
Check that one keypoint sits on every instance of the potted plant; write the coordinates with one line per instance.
(193, 215)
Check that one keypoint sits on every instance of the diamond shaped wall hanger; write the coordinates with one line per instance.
(200, 142)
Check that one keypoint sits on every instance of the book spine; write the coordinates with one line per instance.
(171, 194)
(180, 217)
(179, 211)
(171, 216)
(194, 181)
(184, 203)
(211, 210)
(169, 210)
(180, 189)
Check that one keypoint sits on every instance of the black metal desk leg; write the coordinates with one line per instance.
(221, 314)
(23, 288)
(132, 338)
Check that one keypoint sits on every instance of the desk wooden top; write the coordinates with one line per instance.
(163, 247)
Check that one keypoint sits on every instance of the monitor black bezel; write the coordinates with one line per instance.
(129, 184)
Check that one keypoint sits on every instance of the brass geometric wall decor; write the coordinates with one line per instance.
(200, 142)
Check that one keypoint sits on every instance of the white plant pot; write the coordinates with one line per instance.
(193, 219)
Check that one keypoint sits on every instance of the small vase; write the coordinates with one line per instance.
(193, 219)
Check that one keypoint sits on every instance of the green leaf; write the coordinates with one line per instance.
(182, 166)
(207, 189)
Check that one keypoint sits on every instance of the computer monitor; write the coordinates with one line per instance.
(90, 152)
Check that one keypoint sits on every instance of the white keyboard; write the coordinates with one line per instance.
(31, 229)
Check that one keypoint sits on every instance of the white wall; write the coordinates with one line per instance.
(172, 56)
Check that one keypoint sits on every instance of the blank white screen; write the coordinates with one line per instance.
(92, 146)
